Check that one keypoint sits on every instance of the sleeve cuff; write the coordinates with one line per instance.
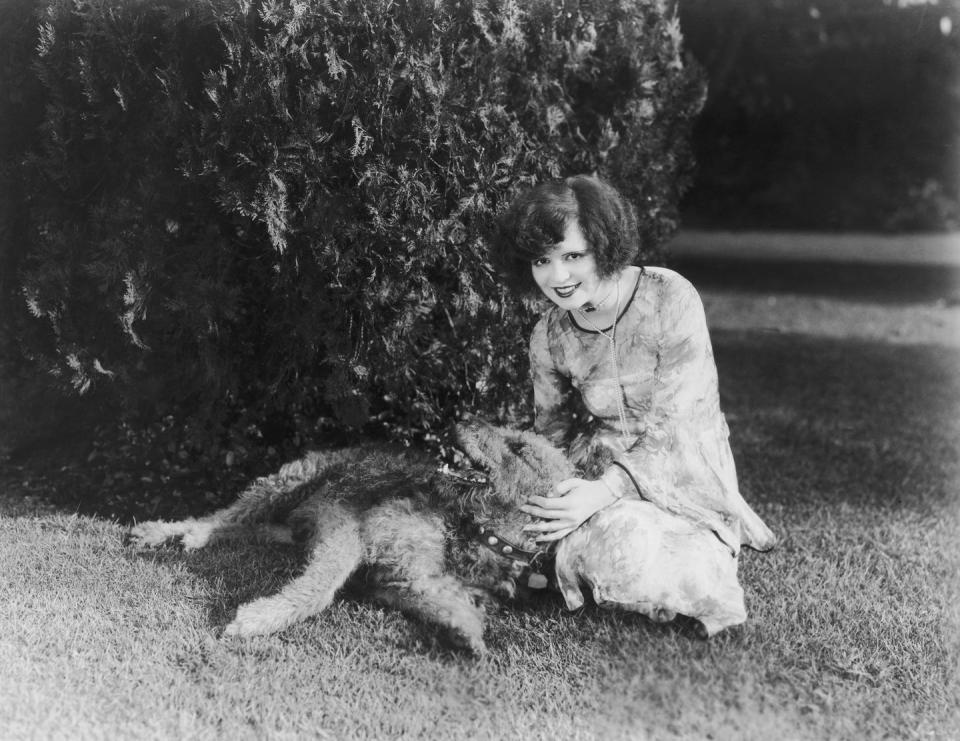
(619, 482)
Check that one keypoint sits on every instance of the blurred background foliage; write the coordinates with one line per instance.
(826, 114)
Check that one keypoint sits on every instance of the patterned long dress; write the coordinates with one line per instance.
(676, 453)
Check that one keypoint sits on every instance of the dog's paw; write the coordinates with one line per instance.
(465, 629)
(506, 589)
(190, 534)
(150, 534)
(259, 617)
(471, 641)
(239, 629)
(196, 536)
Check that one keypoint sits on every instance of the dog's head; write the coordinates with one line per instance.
(502, 468)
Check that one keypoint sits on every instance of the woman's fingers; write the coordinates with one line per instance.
(566, 485)
(559, 515)
(545, 503)
(548, 526)
(550, 537)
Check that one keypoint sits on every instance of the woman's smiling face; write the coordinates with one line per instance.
(567, 273)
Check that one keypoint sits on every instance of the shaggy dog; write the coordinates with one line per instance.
(438, 544)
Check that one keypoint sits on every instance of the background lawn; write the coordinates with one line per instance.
(845, 427)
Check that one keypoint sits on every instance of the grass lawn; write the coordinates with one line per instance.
(845, 425)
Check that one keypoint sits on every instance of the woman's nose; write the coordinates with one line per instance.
(559, 271)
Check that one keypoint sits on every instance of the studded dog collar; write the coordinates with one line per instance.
(500, 545)
(539, 561)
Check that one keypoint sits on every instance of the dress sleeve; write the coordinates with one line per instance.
(682, 461)
(552, 390)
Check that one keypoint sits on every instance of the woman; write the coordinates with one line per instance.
(622, 360)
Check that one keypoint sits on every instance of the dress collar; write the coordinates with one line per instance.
(623, 310)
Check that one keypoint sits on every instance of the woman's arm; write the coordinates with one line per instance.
(555, 401)
(553, 394)
(683, 462)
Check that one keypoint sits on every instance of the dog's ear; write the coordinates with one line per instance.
(531, 465)
(545, 457)
(484, 444)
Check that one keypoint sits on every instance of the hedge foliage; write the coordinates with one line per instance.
(276, 210)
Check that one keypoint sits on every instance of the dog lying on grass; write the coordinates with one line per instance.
(440, 544)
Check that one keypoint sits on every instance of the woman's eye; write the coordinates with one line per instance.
(574, 256)
(540, 261)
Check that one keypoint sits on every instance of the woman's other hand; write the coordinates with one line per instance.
(577, 500)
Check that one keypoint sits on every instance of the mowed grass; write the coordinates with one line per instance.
(848, 447)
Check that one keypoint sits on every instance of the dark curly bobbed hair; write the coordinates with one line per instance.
(536, 221)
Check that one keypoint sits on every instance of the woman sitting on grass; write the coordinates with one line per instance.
(622, 360)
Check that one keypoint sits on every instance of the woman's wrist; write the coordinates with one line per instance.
(613, 492)
(608, 495)
(620, 482)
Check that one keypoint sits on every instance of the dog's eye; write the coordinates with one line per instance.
(517, 447)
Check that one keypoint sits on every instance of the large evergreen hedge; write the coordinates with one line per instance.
(277, 209)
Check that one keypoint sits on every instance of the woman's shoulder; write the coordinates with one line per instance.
(552, 319)
(670, 284)
(553, 338)
(545, 325)
(540, 329)
(666, 276)
(549, 338)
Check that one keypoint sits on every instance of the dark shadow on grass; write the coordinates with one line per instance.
(826, 420)
(235, 572)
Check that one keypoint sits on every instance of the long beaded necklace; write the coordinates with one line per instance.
(612, 338)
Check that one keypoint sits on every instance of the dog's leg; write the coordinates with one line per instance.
(197, 533)
(408, 552)
(193, 533)
(336, 554)
(441, 600)
(264, 499)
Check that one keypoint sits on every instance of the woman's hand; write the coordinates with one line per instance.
(576, 502)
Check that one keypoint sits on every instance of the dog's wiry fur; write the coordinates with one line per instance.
(393, 514)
